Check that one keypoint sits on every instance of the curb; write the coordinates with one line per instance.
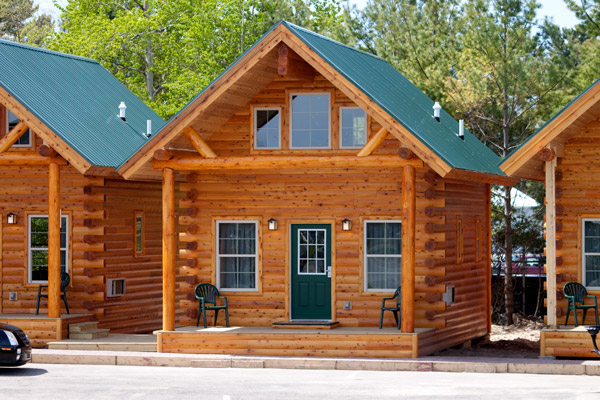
(425, 364)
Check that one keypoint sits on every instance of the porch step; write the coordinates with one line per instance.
(83, 327)
(89, 334)
(305, 325)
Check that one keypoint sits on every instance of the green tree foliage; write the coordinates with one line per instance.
(18, 23)
(167, 51)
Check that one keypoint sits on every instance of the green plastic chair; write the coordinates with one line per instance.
(208, 294)
(576, 293)
(396, 310)
(64, 282)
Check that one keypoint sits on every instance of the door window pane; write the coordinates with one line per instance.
(311, 251)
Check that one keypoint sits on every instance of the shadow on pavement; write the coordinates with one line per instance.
(22, 371)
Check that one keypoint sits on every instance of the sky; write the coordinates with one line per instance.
(554, 9)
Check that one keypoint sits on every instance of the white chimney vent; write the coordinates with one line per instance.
(461, 129)
(436, 111)
(122, 108)
(148, 128)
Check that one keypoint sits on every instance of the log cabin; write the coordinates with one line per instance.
(565, 155)
(314, 180)
(63, 207)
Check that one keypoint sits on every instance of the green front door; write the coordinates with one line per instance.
(311, 271)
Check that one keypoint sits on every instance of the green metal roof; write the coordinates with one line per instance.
(78, 99)
(405, 102)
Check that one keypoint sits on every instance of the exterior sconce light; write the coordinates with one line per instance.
(272, 224)
(346, 224)
(11, 219)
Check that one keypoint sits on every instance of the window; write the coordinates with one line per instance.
(38, 247)
(267, 128)
(310, 121)
(237, 255)
(591, 253)
(459, 240)
(383, 255)
(353, 127)
(11, 122)
(139, 233)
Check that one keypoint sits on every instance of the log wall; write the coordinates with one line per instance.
(577, 197)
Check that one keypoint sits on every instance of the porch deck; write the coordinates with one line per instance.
(266, 341)
(41, 330)
(566, 341)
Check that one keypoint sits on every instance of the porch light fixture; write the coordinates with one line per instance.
(346, 224)
(272, 224)
(11, 219)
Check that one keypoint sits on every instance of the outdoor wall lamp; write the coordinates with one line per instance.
(272, 224)
(11, 219)
(346, 224)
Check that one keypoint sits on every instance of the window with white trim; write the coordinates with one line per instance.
(139, 235)
(267, 128)
(591, 253)
(382, 255)
(310, 121)
(237, 255)
(37, 228)
(11, 121)
(353, 127)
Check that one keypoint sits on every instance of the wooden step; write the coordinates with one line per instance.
(90, 334)
(305, 325)
(83, 327)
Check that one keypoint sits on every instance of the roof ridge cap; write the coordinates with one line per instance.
(289, 24)
(47, 51)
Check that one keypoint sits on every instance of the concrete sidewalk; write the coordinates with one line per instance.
(439, 364)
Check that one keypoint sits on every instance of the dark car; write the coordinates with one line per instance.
(15, 348)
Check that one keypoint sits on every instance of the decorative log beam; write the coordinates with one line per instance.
(551, 242)
(289, 67)
(163, 154)
(47, 151)
(11, 137)
(282, 162)
(20, 159)
(373, 143)
(199, 144)
(169, 248)
(53, 241)
(546, 154)
(408, 249)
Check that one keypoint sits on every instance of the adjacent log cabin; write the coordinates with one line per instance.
(314, 181)
(63, 207)
(564, 154)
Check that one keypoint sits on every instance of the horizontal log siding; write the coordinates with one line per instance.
(467, 318)
(577, 195)
(567, 343)
(24, 190)
(140, 309)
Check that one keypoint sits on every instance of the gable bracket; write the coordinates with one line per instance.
(199, 144)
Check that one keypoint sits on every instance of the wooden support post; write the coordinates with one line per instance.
(373, 143)
(169, 248)
(408, 248)
(488, 253)
(11, 137)
(199, 144)
(53, 241)
(551, 242)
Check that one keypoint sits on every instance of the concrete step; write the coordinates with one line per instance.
(91, 334)
(83, 327)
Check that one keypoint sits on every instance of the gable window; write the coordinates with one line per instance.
(37, 228)
(353, 127)
(139, 233)
(591, 253)
(11, 122)
(237, 255)
(267, 128)
(310, 121)
(382, 255)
